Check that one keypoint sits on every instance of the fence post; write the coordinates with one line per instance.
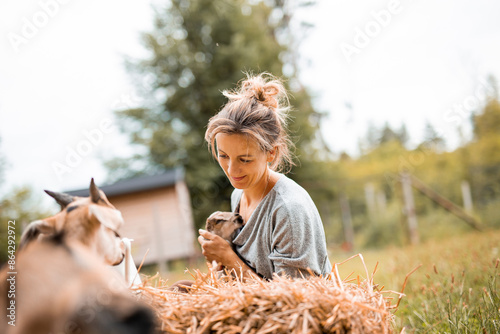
(346, 221)
(370, 198)
(445, 203)
(409, 204)
(467, 197)
(381, 202)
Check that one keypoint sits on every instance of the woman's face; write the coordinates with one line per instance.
(241, 158)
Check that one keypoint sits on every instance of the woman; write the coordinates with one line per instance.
(283, 232)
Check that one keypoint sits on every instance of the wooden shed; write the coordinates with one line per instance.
(157, 213)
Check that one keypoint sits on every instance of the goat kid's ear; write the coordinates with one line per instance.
(34, 229)
(61, 198)
(111, 218)
(94, 191)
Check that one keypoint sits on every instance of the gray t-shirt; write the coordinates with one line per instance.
(284, 234)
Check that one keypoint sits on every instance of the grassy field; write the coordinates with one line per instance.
(456, 289)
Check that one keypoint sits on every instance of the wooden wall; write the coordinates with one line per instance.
(160, 220)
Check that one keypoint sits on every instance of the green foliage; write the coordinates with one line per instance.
(482, 155)
(432, 140)
(380, 166)
(384, 228)
(18, 205)
(376, 138)
(198, 49)
(488, 122)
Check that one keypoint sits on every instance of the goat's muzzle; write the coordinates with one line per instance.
(123, 253)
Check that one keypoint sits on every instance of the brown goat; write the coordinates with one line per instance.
(62, 282)
(92, 221)
(224, 224)
(63, 287)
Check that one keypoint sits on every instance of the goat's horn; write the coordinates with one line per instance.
(61, 198)
(95, 195)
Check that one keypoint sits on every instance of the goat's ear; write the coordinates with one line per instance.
(111, 218)
(34, 229)
(95, 194)
(209, 225)
(238, 219)
(61, 198)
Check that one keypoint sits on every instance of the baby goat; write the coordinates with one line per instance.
(92, 221)
(226, 226)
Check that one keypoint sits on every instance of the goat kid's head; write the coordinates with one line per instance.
(92, 220)
(224, 224)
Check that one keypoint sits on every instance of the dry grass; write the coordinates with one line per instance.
(283, 305)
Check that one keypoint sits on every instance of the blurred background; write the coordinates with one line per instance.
(396, 112)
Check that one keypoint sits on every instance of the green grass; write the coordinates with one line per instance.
(176, 271)
(456, 290)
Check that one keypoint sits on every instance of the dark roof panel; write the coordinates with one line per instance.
(137, 184)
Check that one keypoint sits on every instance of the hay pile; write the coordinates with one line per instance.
(283, 305)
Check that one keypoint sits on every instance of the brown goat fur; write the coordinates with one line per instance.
(63, 287)
(92, 221)
(224, 224)
(63, 283)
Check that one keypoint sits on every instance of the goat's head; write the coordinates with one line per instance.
(92, 220)
(224, 224)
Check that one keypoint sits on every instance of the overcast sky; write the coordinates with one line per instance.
(62, 73)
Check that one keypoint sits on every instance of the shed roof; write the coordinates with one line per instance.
(137, 184)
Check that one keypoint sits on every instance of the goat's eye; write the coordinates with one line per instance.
(218, 221)
(71, 208)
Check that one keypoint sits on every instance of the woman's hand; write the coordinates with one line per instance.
(214, 248)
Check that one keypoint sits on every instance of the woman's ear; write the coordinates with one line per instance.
(271, 154)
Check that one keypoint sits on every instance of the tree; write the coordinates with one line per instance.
(487, 123)
(376, 137)
(432, 140)
(402, 135)
(484, 153)
(198, 49)
(387, 134)
(18, 205)
(371, 139)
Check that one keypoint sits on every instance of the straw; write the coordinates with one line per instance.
(227, 304)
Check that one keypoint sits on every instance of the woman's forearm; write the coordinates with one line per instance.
(236, 265)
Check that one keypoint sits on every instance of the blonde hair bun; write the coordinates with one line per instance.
(265, 88)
